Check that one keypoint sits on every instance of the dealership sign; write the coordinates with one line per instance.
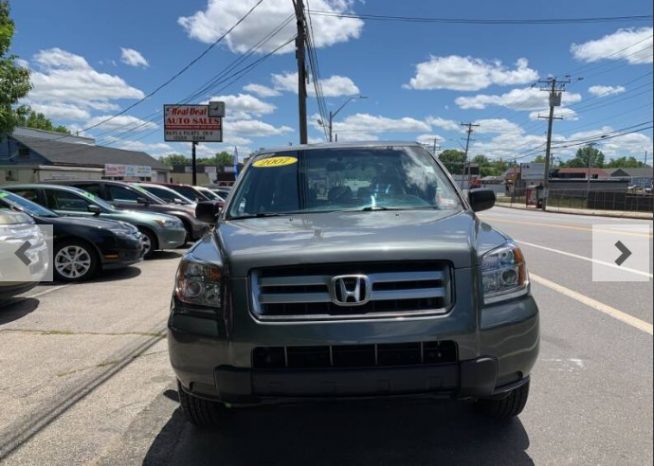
(127, 171)
(192, 123)
(532, 171)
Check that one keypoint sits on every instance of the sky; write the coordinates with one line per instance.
(90, 60)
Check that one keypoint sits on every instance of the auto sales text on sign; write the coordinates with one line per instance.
(191, 123)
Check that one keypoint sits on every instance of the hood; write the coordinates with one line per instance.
(91, 222)
(355, 237)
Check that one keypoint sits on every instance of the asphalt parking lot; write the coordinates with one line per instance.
(86, 380)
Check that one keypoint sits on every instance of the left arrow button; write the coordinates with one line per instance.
(20, 253)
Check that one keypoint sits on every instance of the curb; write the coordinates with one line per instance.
(591, 213)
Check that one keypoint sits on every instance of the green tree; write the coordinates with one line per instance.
(25, 116)
(453, 160)
(175, 159)
(625, 162)
(14, 79)
(584, 156)
(221, 160)
(539, 159)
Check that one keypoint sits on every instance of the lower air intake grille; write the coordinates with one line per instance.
(340, 356)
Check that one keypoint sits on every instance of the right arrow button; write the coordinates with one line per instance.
(625, 253)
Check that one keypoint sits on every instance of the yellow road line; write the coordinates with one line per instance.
(567, 227)
(598, 306)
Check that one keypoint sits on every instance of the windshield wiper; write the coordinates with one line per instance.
(260, 215)
(379, 207)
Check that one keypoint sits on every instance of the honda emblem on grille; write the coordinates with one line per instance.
(350, 290)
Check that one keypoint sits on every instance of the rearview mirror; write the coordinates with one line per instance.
(207, 212)
(94, 209)
(481, 199)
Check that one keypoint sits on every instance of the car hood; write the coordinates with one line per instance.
(91, 222)
(457, 237)
(140, 216)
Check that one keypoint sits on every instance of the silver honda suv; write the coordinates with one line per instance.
(351, 270)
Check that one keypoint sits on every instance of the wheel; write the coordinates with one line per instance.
(148, 242)
(74, 261)
(200, 412)
(505, 408)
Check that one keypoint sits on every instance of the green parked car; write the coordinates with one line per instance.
(160, 231)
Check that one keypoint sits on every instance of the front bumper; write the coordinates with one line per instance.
(496, 352)
(171, 238)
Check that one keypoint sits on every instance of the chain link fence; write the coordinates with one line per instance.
(637, 201)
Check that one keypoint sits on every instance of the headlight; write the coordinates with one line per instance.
(199, 283)
(123, 233)
(170, 223)
(504, 273)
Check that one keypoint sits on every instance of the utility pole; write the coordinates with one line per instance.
(194, 167)
(592, 146)
(465, 158)
(435, 146)
(555, 87)
(300, 41)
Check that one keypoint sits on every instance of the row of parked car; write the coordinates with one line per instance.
(101, 224)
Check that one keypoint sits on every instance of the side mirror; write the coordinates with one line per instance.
(94, 209)
(177, 201)
(207, 212)
(142, 200)
(481, 199)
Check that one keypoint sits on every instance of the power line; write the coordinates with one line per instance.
(181, 71)
(486, 21)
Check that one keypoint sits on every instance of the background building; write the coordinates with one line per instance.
(30, 155)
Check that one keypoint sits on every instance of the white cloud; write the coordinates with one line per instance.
(468, 74)
(562, 112)
(61, 111)
(261, 90)
(209, 24)
(603, 91)
(121, 122)
(528, 98)
(244, 105)
(447, 125)
(428, 139)
(63, 78)
(22, 63)
(633, 45)
(251, 127)
(133, 57)
(363, 126)
(334, 86)
(497, 126)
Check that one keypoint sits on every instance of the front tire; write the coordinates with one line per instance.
(505, 408)
(148, 242)
(198, 411)
(74, 261)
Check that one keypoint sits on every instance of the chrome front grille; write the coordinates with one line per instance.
(351, 291)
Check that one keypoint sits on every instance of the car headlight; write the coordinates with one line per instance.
(504, 273)
(170, 223)
(199, 284)
(124, 233)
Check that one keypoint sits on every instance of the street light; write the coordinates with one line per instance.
(333, 114)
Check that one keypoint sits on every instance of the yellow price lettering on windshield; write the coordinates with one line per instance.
(274, 162)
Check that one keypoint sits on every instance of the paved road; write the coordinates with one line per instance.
(84, 378)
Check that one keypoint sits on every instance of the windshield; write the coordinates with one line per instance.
(20, 203)
(190, 193)
(166, 194)
(343, 179)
